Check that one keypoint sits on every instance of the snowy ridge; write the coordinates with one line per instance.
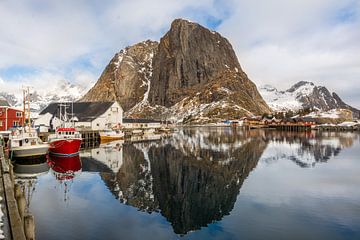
(60, 91)
(306, 95)
(286, 100)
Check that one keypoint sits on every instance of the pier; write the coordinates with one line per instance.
(18, 224)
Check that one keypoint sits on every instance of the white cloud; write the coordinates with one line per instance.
(282, 42)
(277, 41)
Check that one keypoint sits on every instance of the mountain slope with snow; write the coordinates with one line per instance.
(304, 95)
(59, 91)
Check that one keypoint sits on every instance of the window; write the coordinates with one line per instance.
(114, 109)
(18, 114)
(0, 123)
(16, 123)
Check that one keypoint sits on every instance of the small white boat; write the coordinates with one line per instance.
(26, 144)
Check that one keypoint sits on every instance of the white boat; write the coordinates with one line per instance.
(24, 144)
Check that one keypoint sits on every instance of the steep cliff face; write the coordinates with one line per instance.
(192, 74)
(188, 55)
(127, 77)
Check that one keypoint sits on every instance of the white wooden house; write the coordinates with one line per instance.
(86, 115)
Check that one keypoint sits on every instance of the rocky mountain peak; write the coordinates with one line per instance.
(299, 85)
(188, 55)
(127, 77)
(304, 95)
(154, 80)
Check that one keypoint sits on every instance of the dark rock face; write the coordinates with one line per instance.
(192, 194)
(127, 77)
(150, 75)
(188, 55)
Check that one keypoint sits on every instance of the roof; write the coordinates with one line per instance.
(139, 120)
(4, 103)
(83, 111)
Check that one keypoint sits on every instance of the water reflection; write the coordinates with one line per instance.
(26, 175)
(193, 179)
(306, 149)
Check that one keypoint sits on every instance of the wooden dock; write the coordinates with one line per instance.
(90, 139)
(18, 224)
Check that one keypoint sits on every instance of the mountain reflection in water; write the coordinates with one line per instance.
(193, 177)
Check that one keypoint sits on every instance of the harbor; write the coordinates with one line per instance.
(85, 194)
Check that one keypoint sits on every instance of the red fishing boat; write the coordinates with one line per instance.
(65, 142)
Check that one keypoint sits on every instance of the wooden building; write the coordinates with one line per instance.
(10, 117)
(85, 115)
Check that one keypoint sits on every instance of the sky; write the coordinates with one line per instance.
(278, 42)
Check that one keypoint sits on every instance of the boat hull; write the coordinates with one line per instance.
(31, 151)
(106, 137)
(65, 147)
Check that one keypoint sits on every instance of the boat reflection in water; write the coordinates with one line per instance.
(26, 175)
(65, 169)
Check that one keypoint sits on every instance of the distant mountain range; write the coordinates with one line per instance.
(63, 91)
(304, 95)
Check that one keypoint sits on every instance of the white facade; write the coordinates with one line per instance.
(110, 118)
(150, 125)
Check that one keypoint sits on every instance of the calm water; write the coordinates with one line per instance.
(202, 183)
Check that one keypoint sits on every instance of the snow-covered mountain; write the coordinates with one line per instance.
(192, 75)
(304, 95)
(62, 90)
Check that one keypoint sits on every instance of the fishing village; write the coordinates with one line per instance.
(60, 131)
(179, 120)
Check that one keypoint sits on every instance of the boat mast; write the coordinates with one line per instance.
(29, 117)
(23, 117)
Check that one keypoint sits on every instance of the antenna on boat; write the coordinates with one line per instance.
(23, 117)
(29, 123)
(26, 107)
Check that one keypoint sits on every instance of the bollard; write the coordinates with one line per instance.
(29, 227)
(21, 202)
(17, 191)
(11, 173)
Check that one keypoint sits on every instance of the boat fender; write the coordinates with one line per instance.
(26, 140)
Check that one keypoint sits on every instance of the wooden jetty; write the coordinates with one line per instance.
(18, 224)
